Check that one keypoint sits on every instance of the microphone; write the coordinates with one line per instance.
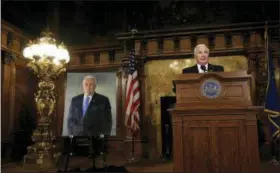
(202, 67)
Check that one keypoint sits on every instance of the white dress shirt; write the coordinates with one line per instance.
(199, 68)
(85, 97)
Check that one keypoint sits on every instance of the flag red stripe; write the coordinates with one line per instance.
(130, 90)
(132, 103)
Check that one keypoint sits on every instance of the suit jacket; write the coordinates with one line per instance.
(211, 68)
(97, 119)
(194, 69)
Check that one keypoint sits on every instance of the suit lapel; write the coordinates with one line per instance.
(211, 68)
(195, 69)
(80, 106)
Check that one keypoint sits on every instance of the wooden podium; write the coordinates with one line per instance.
(214, 124)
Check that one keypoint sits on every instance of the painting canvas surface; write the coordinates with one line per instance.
(106, 85)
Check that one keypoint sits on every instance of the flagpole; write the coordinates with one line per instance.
(266, 42)
(132, 159)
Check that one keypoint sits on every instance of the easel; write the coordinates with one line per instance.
(93, 140)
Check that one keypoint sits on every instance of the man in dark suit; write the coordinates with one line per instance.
(201, 54)
(89, 113)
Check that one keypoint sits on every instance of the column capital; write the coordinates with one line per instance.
(8, 57)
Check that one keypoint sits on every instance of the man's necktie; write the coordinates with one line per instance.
(85, 105)
(203, 68)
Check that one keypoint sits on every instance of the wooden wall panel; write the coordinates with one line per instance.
(89, 59)
(137, 47)
(255, 39)
(152, 47)
(25, 88)
(219, 41)
(59, 111)
(7, 99)
(16, 44)
(118, 56)
(168, 45)
(18, 108)
(185, 44)
(4, 35)
(104, 58)
(203, 39)
(75, 60)
(237, 41)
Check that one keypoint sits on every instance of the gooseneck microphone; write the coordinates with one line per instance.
(202, 67)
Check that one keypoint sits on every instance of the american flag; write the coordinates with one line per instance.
(132, 101)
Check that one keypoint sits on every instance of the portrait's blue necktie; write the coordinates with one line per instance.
(85, 105)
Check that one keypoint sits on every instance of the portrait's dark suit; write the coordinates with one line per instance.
(194, 69)
(211, 68)
(97, 119)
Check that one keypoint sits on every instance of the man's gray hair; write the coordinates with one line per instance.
(90, 77)
(200, 45)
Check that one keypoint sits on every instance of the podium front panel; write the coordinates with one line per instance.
(215, 125)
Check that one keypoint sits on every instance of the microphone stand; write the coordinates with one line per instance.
(275, 151)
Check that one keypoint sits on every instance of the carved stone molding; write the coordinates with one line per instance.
(8, 57)
(140, 62)
(120, 72)
(258, 65)
(257, 62)
(9, 39)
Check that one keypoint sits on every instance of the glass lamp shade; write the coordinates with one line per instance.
(27, 53)
(62, 53)
(46, 47)
(46, 50)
